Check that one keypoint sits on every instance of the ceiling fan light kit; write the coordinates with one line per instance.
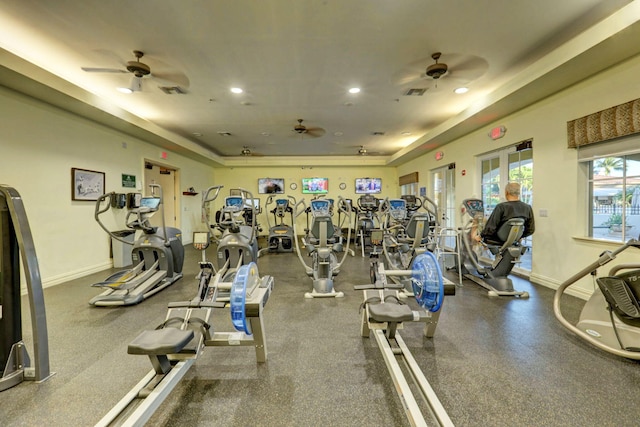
(437, 70)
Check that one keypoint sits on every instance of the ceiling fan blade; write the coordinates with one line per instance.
(103, 70)
(467, 67)
(413, 73)
(315, 132)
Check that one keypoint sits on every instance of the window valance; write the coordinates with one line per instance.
(614, 122)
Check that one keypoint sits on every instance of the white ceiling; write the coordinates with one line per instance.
(296, 59)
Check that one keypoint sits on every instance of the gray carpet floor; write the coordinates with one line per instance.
(492, 361)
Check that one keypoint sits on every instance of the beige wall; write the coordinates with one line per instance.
(39, 146)
(247, 177)
(558, 185)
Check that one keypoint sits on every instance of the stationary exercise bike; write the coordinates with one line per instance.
(610, 319)
(323, 243)
(158, 254)
(281, 236)
(175, 345)
(502, 255)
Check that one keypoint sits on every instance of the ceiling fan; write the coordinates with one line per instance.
(140, 70)
(362, 151)
(303, 130)
(452, 67)
(246, 151)
(437, 70)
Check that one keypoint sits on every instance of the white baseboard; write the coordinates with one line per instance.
(76, 274)
(548, 282)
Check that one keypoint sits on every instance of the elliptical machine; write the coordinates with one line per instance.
(366, 220)
(407, 234)
(323, 243)
(610, 319)
(492, 276)
(158, 254)
(238, 243)
(281, 235)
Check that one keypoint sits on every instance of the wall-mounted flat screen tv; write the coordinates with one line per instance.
(271, 185)
(368, 185)
(315, 185)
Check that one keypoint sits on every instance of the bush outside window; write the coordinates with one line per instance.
(614, 195)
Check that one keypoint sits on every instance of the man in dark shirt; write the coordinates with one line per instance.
(512, 208)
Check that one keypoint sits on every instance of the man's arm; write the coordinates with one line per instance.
(529, 225)
(493, 222)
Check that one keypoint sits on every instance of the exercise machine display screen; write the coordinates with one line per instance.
(282, 203)
(396, 204)
(234, 201)
(200, 237)
(320, 207)
(398, 209)
(150, 202)
(474, 206)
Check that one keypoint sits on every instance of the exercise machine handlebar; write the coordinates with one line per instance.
(158, 188)
(207, 198)
(604, 258)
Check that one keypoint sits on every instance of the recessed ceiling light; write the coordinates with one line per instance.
(405, 133)
(461, 90)
(198, 134)
(236, 90)
(126, 90)
(338, 133)
(354, 90)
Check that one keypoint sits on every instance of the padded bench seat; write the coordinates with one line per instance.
(390, 312)
(160, 341)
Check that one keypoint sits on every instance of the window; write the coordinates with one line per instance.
(614, 197)
(409, 184)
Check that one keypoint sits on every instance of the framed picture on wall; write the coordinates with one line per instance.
(86, 184)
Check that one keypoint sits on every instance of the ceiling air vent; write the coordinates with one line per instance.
(415, 92)
(224, 133)
(169, 90)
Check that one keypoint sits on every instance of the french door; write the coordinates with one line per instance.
(511, 164)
